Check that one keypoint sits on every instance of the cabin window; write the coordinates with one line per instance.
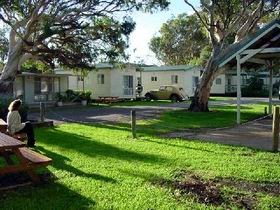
(174, 79)
(80, 78)
(218, 81)
(154, 79)
(43, 89)
(100, 79)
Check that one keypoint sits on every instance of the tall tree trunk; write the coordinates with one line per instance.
(200, 100)
(9, 72)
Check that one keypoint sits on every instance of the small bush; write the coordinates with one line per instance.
(74, 96)
(255, 88)
(85, 95)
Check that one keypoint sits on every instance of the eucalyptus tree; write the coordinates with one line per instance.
(72, 33)
(224, 19)
(4, 43)
(181, 40)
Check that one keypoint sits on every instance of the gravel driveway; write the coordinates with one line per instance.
(108, 114)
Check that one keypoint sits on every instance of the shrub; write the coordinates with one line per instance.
(60, 97)
(255, 88)
(85, 95)
(71, 95)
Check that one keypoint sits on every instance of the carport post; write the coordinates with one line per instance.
(238, 88)
(275, 129)
(133, 123)
(42, 111)
(270, 90)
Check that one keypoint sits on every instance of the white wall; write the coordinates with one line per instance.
(117, 85)
(64, 83)
(29, 89)
(219, 88)
(185, 79)
(113, 82)
(18, 87)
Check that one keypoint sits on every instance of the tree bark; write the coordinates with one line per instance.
(9, 72)
(200, 100)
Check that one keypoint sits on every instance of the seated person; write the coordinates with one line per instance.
(15, 126)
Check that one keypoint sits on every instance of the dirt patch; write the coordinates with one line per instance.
(242, 194)
(253, 187)
(205, 192)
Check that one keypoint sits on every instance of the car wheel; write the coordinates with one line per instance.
(174, 98)
(148, 97)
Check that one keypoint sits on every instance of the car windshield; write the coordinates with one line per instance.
(162, 88)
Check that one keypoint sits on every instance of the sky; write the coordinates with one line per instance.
(148, 25)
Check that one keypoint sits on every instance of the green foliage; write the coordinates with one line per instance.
(75, 95)
(4, 46)
(60, 97)
(181, 41)
(255, 88)
(4, 104)
(74, 33)
(85, 95)
(35, 66)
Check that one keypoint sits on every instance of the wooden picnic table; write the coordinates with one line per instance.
(108, 99)
(28, 159)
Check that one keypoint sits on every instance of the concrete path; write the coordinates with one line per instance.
(101, 115)
(255, 134)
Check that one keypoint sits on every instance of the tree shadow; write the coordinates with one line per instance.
(49, 196)
(60, 163)
(92, 147)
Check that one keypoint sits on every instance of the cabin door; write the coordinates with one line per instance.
(128, 85)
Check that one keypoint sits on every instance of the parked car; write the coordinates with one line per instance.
(167, 92)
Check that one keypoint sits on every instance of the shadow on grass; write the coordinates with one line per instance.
(59, 162)
(48, 196)
(92, 147)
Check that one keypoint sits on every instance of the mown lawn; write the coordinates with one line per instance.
(101, 167)
(139, 103)
(219, 116)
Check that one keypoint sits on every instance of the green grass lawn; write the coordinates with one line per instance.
(221, 98)
(100, 167)
(137, 103)
(219, 116)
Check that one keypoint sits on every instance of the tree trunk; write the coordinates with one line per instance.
(9, 72)
(200, 100)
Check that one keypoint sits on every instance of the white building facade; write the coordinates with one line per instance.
(185, 76)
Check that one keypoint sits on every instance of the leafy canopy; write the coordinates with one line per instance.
(182, 40)
(73, 33)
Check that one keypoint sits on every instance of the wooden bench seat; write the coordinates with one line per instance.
(3, 126)
(27, 160)
(34, 157)
(30, 160)
(18, 136)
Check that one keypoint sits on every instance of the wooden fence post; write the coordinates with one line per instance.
(265, 110)
(133, 123)
(275, 129)
(42, 111)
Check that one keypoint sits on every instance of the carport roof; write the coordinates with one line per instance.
(170, 68)
(266, 37)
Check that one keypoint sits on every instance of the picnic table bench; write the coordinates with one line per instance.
(28, 159)
(3, 129)
(108, 99)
